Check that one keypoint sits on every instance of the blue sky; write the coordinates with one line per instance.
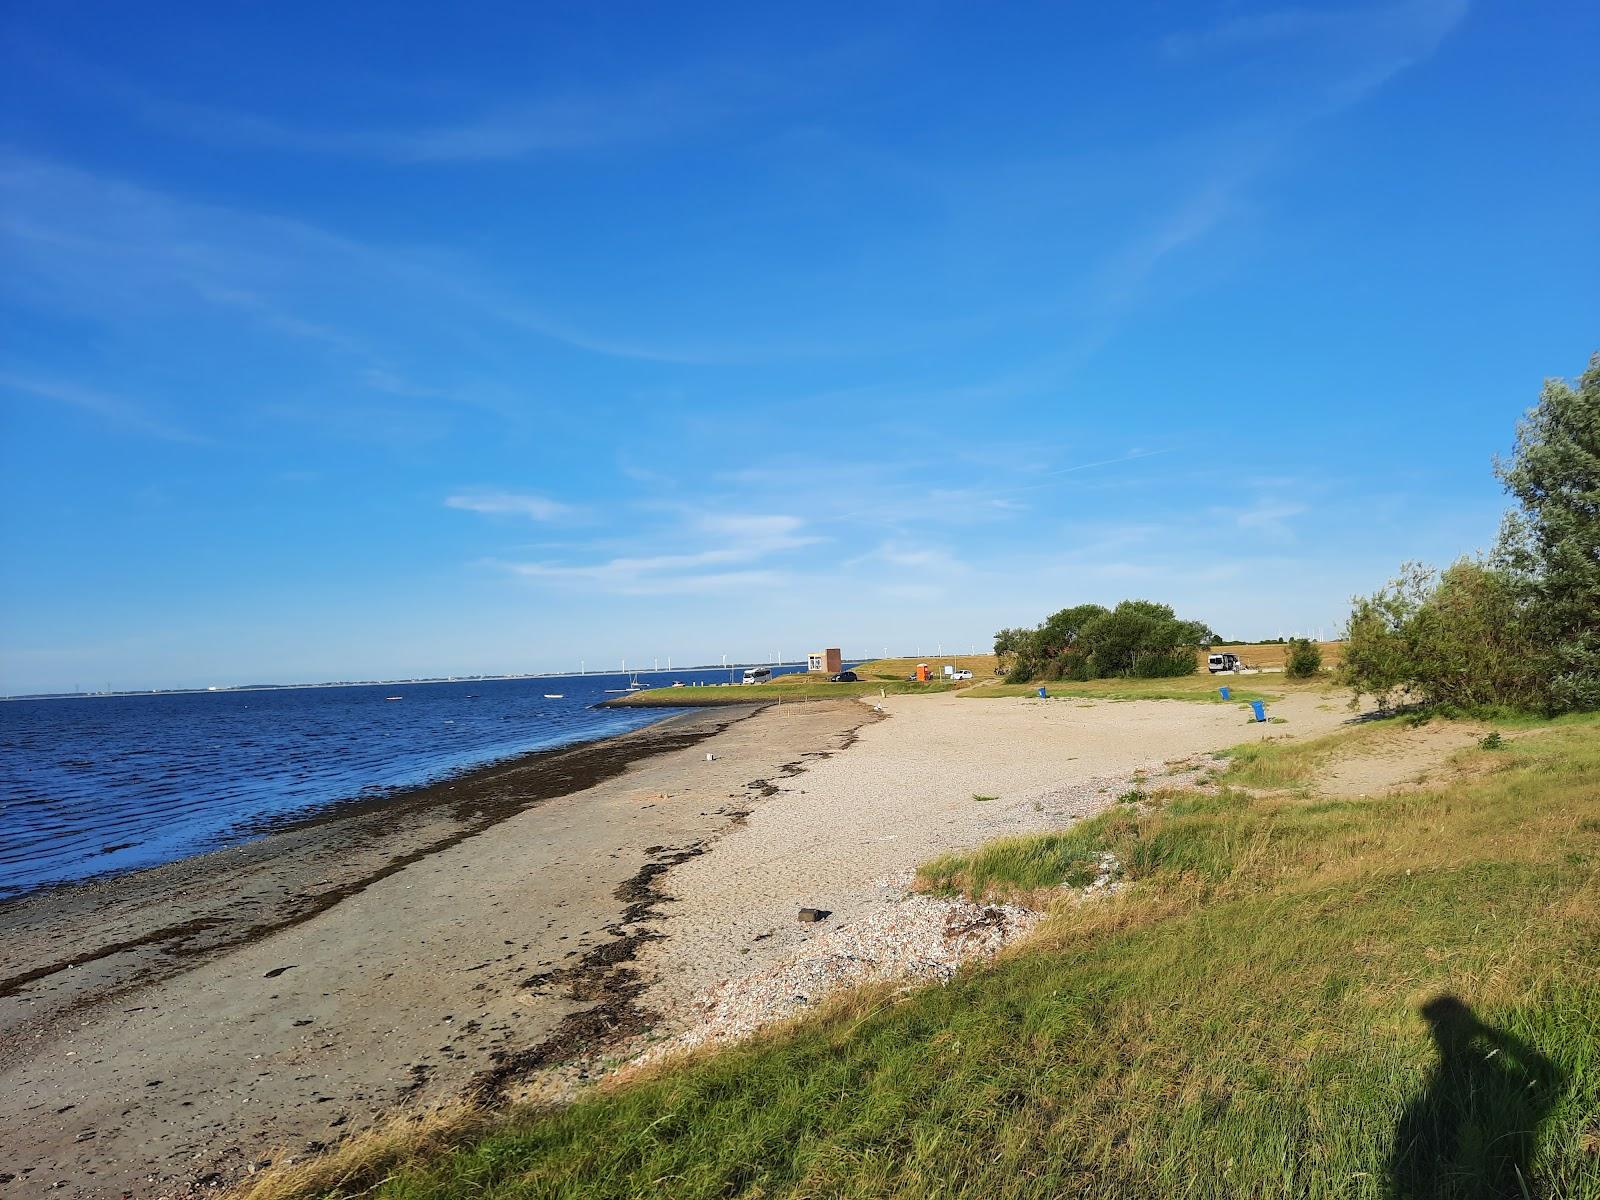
(359, 341)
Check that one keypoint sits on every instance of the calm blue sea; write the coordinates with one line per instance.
(100, 785)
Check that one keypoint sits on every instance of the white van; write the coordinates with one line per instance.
(757, 674)
(1222, 662)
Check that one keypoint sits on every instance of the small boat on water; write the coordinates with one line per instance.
(394, 697)
(555, 695)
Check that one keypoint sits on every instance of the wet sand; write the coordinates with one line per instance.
(167, 1031)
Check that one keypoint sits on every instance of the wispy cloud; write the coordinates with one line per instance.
(1269, 518)
(127, 255)
(618, 579)
(741, 541)
(124, 253)
(1124, 273)
(914, 557)
(116, 411)
(494, 130)
(510, 504)
(1412, 28)
(1331, 59)
(552, 125)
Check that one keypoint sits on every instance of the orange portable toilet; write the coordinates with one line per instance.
(922, 672)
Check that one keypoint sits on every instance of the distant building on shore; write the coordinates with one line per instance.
(825, 660)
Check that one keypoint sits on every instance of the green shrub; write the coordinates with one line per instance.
(1459, 638)
(1138, 638)
(1304, 660)
(1165, 664)
(1520, 631)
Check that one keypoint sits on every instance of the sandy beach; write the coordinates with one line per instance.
(847, 833)
(171, 1031)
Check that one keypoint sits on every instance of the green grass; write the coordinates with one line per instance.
(781, 689)
(1201, 688)
(982, 666)
(1020, 869)
(1294, 764)
(1242, 1021)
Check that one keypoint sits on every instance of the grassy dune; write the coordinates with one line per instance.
(1243, 1020)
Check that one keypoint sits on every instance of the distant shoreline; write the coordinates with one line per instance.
(353, 683)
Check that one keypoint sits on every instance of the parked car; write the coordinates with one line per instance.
(958, 676)
(1222, 662)
(844, 677)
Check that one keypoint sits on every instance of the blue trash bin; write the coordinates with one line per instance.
(1043, 695)
(1260, 708)
(1224, 692)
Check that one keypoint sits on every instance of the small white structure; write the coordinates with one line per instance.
(828, 660)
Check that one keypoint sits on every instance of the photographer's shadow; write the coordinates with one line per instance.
(1473, 1129)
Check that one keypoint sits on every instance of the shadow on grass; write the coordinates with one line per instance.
(1473, 1130)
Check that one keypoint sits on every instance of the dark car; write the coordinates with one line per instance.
(844, 677)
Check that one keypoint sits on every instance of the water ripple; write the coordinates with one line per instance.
(98, 785)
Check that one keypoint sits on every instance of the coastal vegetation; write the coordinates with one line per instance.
(1137, 639)
(1199, 688)
(1291, 994)
(1304, 659)
(1518, 629)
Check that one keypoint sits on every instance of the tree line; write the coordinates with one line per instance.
(1517, 628)
(1137, 638)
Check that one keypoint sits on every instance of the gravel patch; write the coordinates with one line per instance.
(905, 938)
